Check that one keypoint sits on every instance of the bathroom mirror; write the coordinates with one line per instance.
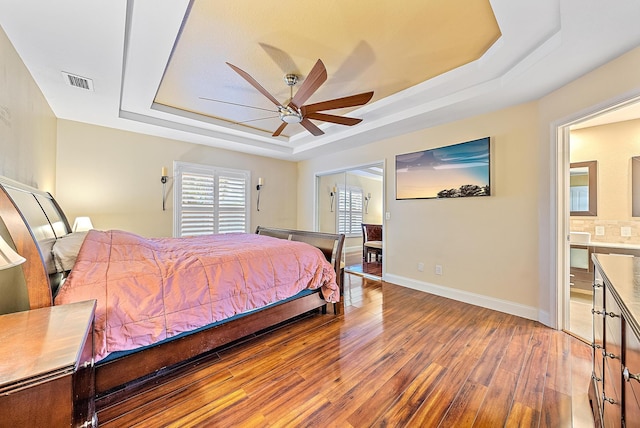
(635, 186)
(583, 188)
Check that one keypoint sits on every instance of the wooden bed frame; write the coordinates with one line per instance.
(25, 211)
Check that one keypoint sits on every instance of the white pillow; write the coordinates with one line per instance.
(65, 250)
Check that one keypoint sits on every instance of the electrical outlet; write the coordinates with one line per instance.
(625, 231)
(438, 269)
(387, 215)
(421, 267)
(599, 230)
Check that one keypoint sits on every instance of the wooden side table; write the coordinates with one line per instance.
(46, 367)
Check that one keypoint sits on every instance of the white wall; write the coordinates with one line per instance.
(612, 146)
(501, 251)
(603, 87)
(113, 177)
(487, 246)
(27, 150)
(27, 124)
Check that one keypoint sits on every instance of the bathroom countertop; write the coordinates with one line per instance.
(608, 245)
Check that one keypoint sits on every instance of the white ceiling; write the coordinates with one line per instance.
(125, 46)
(360, 57)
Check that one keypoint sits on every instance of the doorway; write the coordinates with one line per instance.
(595, 144)
(345, 200)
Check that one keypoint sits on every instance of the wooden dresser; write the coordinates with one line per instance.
(615, 387)
(46, 367)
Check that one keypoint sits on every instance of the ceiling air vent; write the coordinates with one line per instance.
(78, 81)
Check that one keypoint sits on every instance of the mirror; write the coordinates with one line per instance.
(635, 186)
(365, 184)
(583, 188)
(344, 200)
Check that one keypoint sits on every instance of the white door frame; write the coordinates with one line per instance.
(558, 249)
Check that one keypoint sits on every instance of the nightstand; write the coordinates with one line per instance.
(46, 367)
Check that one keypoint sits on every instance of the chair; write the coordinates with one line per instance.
(371, 241)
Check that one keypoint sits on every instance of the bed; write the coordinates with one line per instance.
(35, 223)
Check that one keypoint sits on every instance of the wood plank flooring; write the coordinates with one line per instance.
(358, 265)
(395, 357)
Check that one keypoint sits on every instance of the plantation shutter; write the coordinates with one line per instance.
(197, 204)
(350, 203)
(210, 200)
(232, 202)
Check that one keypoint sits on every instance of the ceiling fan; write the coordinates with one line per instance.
(295, 111)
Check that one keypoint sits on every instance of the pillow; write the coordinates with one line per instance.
(65, 250)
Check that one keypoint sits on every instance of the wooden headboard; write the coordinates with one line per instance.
(34, 221)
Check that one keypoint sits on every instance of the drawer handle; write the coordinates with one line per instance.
(608, 399)
(596, 285)
(627, 375)
(596, 346)
(611, 314)
(609, 355)
(594, 312)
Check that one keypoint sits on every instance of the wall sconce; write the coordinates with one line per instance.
(82, 224)
(8, 257)
(258, 188)
(163, 180)
(366, 203)
(333, 193)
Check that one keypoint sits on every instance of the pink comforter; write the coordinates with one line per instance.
(151, 289)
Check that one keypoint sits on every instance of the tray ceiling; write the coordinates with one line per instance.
(150, 61)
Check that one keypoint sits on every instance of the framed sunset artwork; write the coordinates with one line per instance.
(456, 171)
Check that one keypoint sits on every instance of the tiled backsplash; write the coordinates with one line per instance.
(613, 230)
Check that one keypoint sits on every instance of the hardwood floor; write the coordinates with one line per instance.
(358, 265)
(366, 269)
(394, 357)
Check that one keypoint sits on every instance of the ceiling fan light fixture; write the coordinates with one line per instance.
(294, 110)
(290, 79)
(290, 115)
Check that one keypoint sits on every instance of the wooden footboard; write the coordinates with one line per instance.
(115, 377)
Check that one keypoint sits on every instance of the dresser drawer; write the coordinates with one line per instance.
(611, 406)
(613, 325)
(598, 336)
(631, 385)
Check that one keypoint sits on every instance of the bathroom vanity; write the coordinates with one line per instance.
(580, 253)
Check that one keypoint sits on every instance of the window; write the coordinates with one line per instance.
(350, 210)
(210, 200)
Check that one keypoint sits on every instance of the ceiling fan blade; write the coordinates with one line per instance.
(317, 76)
(255, 84)
(309, 126)
(341, 120)
(236, 104)
(279, 130)
(350, 101)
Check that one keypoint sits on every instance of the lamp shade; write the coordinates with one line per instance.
(81, 224)
(8, 257)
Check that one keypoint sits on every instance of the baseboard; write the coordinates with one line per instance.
(500, 305)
